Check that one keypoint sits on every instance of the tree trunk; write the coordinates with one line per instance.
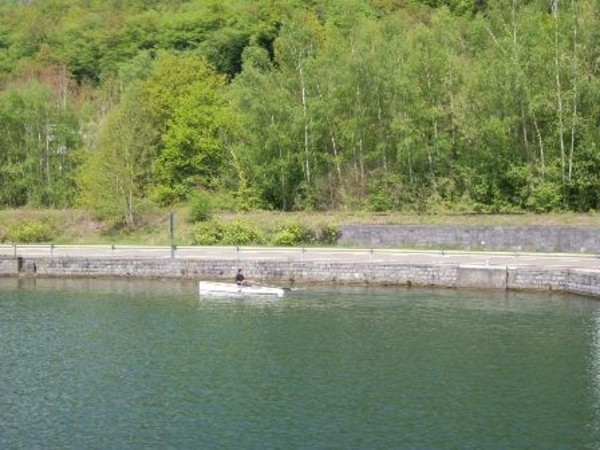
(361, 166)
(434, 126)
(281, 166)
(305, 116)
(517, 68)
(559, 105)
(541, 142)
(336, 157)
(574, 67)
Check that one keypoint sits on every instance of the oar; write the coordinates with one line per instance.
(285, 288)
(291, 289)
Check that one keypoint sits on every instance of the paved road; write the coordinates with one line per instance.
(583, 261)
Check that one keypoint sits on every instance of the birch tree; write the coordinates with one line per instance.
(116, 177)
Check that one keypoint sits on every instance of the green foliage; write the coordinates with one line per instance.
(328, 234)
(208, 233)
(166, 195)
(223, 201)
(545, 197)
(583, 194)
(38, 145)
(292, 233)
(200, 206)
(240, 232)
(423, 105)
(247, 199)
(184, 94)
(536, 189)
(115, 176)
(379, 200)
(216, 232)
(29, 232)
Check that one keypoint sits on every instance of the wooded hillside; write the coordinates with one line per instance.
(405, 105)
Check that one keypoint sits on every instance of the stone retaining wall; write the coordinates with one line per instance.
(530, 238)
(9, 266)
(303, 272)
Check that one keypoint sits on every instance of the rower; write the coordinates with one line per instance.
(240, 279)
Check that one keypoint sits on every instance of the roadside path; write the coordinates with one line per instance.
(241, 254)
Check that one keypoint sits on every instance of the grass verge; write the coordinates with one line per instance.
(78, 227)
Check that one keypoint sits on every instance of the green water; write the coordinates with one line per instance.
(149, 365)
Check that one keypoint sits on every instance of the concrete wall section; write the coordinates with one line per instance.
(482, 277)
(530, 238)
(305, 272)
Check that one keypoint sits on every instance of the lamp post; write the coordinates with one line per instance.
(172, 234)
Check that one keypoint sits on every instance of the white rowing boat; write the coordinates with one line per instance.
(214, 288)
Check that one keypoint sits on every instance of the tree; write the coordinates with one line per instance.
(116, 176)
(38, 146)
(264, 132)
(189, 110)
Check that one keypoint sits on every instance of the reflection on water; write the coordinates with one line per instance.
(135, 364)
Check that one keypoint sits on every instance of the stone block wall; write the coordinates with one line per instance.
(529, 238)
(305, 272)
(9, 266)
(584, 283)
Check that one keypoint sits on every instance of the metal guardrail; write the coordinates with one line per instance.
(51, 250)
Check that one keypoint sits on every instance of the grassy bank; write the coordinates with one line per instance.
(78, 227)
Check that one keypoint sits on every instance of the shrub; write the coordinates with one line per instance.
(208, 233)
(291, 234)
(200, 206)
(164, 196)
(544, 197)
(29, 232)
(215, 232)
(328, 234)
(247, 199)
(379, 202)
(239, 232)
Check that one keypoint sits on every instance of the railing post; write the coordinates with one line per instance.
(112, 250)
(15, 250)
(51, 249)
(302, 257)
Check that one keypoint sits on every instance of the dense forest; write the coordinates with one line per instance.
(406, 105)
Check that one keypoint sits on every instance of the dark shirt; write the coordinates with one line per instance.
(239, 278)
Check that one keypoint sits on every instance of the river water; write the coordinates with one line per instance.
(105, 364)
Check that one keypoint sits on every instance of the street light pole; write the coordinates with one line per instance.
(172, 234)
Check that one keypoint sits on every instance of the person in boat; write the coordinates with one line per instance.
(240, 279)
